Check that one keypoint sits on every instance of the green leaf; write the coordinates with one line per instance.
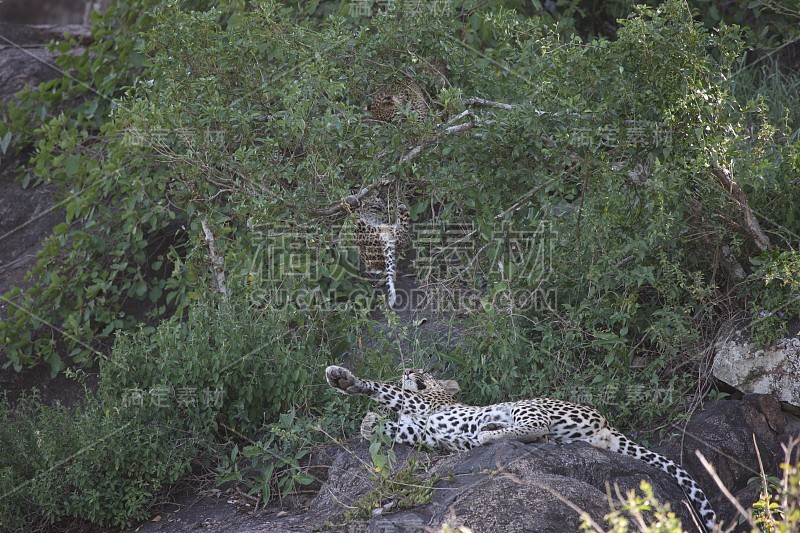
(71, 166)
(5, 141)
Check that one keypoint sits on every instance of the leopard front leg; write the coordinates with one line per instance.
(389, 395)
(405, 431)
(368, 424)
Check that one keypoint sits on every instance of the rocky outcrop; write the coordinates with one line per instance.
(24, 58)
(510, 486)
(774, 370)
(726, 433)
(27, 216)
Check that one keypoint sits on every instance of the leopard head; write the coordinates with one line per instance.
(418, 380)
(384, 106)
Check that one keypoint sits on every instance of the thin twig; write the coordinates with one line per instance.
(713, 472)
(566, 501)
(764, 487)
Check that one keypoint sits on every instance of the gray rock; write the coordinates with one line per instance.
(507, 486)
(510, 486)
(349, 477)
(24, 59)
(725, 433)
(774, 370)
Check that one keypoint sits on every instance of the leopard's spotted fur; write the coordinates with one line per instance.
(386, 103)
(384, 106)
(380, 235)
(428, 414)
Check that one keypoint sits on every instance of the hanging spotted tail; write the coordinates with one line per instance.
(394, 238)
(389, 252)
(617, 442)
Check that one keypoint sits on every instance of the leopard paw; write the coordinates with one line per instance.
(368, 424)
(343, 380)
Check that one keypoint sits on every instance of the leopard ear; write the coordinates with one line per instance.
(450, 386)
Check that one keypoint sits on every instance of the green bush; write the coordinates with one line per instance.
(104, 464)
(271, 128)
(169, 401)
(237, 367)
(112, 252)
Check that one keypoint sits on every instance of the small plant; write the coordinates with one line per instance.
(630, 515)
(766, 510)
(381, 451)
(402, 489)
(273, 462)
(777, 509)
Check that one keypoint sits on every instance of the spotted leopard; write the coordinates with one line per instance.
(428, 414)
(386, 103)
(379, 239)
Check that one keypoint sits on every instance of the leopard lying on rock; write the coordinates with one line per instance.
(428, 414)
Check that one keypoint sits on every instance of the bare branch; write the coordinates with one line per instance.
(749, 222)
(465, 113)
(480, 102)
(352, 200)
(449, 128)
(217, 263)
(458, 128)
(713, 473)
(733, 269)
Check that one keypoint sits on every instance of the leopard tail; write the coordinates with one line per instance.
(389, 253)
(617, 442)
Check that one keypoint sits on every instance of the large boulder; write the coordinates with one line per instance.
(727, 433)
(510, 486)
(773, 370)
(24, 58)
